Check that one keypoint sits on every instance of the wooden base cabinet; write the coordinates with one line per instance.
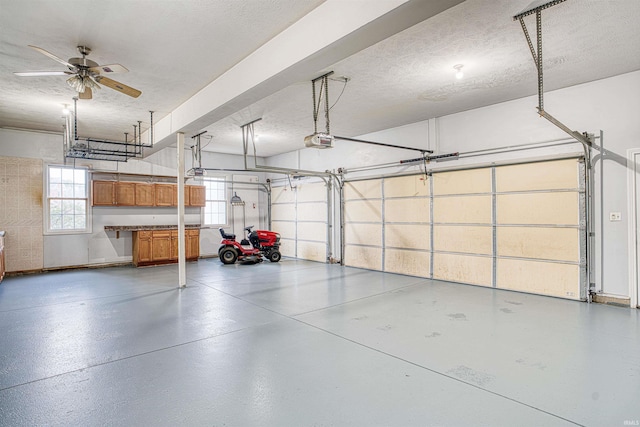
(161, 246)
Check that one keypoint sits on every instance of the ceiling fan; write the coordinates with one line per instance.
(85, 74)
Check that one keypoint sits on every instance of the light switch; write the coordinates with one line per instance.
(615, 216)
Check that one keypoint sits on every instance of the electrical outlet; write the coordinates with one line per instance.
(615, 216)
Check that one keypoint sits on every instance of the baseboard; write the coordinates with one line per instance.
(612, 300)
(69, 267)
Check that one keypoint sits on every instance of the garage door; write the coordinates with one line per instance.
(540, 224)
(299, 214)
(518, 227)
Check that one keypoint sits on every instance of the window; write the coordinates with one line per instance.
(67, 199)
(215, 211)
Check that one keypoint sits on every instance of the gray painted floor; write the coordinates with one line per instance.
(306, 344)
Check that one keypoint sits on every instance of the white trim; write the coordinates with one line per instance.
(632, 210)
(46, 231)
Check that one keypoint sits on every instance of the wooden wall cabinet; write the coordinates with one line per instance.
(164, 194)
(145, 194)
(125, 194)
(103, 193)
(198, 195)
(161, 246)
(121, 193)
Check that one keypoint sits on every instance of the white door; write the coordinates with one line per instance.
(634, 216)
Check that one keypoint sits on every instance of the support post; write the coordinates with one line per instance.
(182, 268)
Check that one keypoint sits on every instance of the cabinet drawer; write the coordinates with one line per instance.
(161, 233)
(145, 233)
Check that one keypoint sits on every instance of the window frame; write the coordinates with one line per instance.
(47, 230)
(222, 179)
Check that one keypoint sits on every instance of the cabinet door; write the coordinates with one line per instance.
(141, 247)
(192, 246)
(174, 244)
(102, 193)
(145, 194)
(161, 246)
(198, 195)
(125, 193)
(187, 196)
(164, 194)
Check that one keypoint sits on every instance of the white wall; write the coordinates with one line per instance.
(99, 246)
(611, 105)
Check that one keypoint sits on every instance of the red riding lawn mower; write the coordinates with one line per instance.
(260, 243)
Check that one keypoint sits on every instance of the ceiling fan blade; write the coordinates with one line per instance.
(86, 94)
(42, 73)
(110, 68)
(120, 87)
(52, 56)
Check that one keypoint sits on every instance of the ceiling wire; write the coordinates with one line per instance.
(345, 80)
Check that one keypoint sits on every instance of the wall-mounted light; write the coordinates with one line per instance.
(459, 72)
(236, 200)
(66, 110)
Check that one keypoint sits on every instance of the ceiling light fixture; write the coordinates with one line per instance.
(459, 73)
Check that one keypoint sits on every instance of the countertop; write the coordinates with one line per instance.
(148, 227)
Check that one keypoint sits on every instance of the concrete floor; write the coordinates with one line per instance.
(306, 344)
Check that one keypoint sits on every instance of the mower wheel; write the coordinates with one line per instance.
(274, 256)
(228, 255)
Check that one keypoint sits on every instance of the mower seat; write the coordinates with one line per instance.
(225, 235)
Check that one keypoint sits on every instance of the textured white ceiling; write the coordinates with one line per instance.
(410, 76)
(174, 48)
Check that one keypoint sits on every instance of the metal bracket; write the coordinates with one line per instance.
(537, 7)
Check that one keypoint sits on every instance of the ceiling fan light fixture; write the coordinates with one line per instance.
(459, 72)
(81, 83)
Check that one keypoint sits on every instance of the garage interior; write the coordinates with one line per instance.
(454, 185)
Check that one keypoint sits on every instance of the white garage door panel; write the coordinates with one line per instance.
(556, 175)
(462, 182)
(363, 211)
(407, 210)
(407, 236)
(282, 195)
(363, 257)
(466, 239)
(283, 212)
(538, 208)
(406, 186)
(413, 263)
(560, 244)
(312, 193)
(462, 209)
(312, 212)
(312, 251)
(363, 234)
(288, 247)
(312, 231)
(287, 230)
(532, 241)
(370, 189)
(561, 280)
(463, 269)
(300, 216)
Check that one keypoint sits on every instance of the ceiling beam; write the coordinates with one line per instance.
(333, 31)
